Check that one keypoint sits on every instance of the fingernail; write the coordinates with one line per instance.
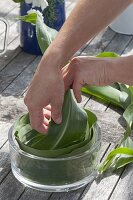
(58, 120)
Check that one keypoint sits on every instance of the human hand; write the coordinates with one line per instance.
(47, 117)
(47, 88)
(84, 70)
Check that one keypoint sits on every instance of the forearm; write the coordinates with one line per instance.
(87, 19)
(123, 70)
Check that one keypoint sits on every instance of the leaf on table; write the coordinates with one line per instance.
(128, 116)
(119, 157)
(108, 94)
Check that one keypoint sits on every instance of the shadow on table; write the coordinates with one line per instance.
(4, 163)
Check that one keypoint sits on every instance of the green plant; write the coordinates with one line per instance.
(50, 12)
(48, 8)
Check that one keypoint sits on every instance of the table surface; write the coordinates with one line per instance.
(16, 71)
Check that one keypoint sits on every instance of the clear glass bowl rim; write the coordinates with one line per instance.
(20, 151)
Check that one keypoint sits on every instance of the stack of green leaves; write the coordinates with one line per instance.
(74, 135)
(120, 95)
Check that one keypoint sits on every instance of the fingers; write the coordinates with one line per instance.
(37, 120)
(47, 112)
(48, 107)
(45, 127)
(68, 76)
(56, 110)
(77, 90)
(46, 121)
(40, 118)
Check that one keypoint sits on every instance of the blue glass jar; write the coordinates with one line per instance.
(53, 19)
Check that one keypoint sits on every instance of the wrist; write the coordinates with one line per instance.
(114, 70)
(122, 70)
(53, 58)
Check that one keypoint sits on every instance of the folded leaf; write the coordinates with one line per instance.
(128, 116)
(74, 135)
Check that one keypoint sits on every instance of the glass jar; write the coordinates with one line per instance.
(55, 174)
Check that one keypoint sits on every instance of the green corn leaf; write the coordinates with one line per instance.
(71, 130)
(118, 151)
(45, 35)
(107, 55)
(108, 94)
(112, 158)
(125, 88)
(72, 150)
(128, 116)
(30, 18)
(122, 162)
(23, 120)
(74, 135)
(122, 155)
(119, 157)
(18, 1)
(130, 88)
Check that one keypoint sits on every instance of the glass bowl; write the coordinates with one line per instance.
(55, 174)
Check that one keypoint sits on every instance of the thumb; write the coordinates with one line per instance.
(56, 110)
(67, 77)
(77, 90)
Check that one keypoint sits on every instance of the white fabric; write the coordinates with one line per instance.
(38, 3)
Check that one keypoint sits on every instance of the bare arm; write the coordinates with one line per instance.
(87, 19)
(47, 87)
(87, 70)
(123, 70)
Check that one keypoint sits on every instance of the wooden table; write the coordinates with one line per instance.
(16, 71)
